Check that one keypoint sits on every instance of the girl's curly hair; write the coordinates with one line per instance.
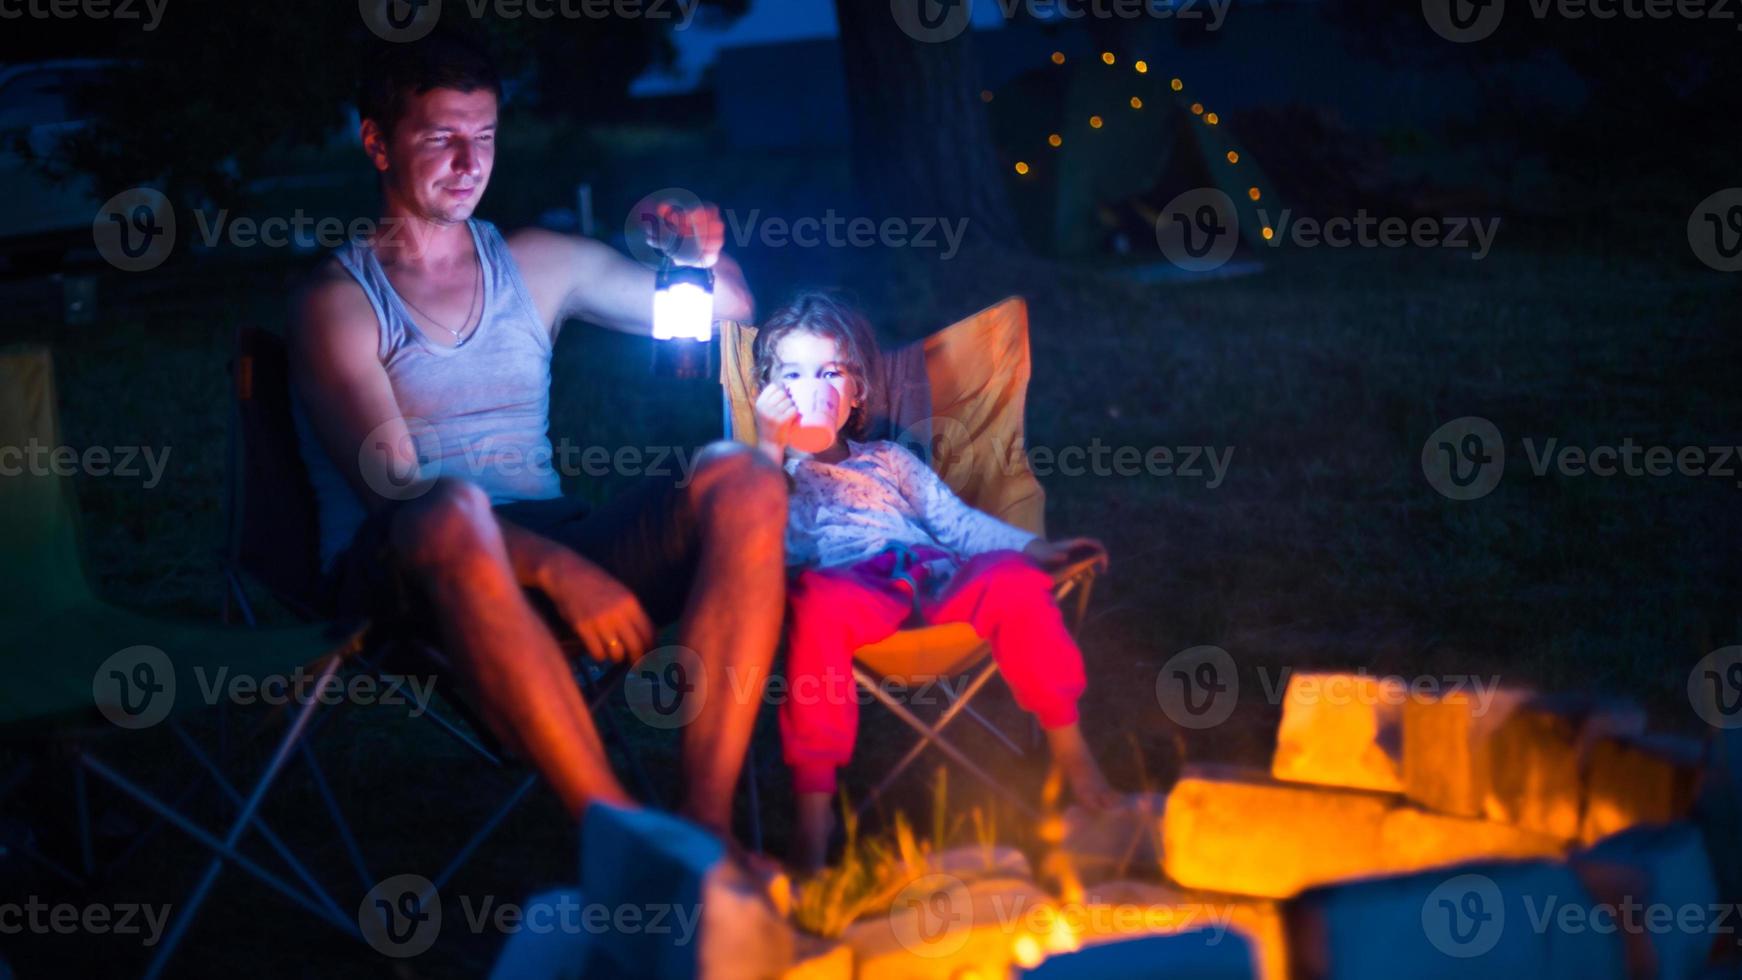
(826, 313)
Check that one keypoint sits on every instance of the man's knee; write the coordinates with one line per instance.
(450, 523)
(742, 481)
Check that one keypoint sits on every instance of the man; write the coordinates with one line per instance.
(421, 362)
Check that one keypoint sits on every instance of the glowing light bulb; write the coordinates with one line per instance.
(1021, 167)
(1054, 140)
(1269, 233)
(1233, 157)
(1212, 119)
(1094, 122)
(1058, 57)
(1106, 57)
(1136, 103)
(1142, 67)
(1177, 85)
(1197, 108)
(1252, 192)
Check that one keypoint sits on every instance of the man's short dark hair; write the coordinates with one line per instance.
(392, 73)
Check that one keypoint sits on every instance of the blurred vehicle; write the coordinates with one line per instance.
(43, 218)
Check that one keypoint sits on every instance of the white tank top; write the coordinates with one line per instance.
(479, 411)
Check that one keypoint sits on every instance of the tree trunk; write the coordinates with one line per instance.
(921, 144)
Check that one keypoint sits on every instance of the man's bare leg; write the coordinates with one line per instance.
(731, 619)
(449, 541)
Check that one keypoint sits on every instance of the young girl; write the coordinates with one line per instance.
(880, 536)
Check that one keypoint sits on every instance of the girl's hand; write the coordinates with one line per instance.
(775, 416)
(1054, 555)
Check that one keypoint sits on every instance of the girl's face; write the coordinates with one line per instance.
(802, 356)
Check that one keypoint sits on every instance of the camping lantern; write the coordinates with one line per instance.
(683, 320)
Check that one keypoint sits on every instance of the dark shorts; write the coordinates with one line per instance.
(647, 537)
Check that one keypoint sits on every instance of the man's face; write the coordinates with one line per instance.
(437, 160)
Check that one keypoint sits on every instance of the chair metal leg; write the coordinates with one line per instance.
(205, 838)
(277, 844)
(465, 853)
(340, 825)
(216, 866)
(933, 735)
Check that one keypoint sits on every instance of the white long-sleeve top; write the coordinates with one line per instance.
(880, 495)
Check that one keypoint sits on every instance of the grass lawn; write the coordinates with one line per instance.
(1324, 545)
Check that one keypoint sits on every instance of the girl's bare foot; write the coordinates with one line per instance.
(1070, 753)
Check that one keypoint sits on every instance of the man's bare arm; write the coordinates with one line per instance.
(587, 279)
(336, 368)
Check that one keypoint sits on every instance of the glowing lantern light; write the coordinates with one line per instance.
(1136, 103)
(1233, 157)
(1058, 57)
(1211, 119)
(1054, 140)
(1094, 122)
(683, 303)
(1197, 108)
(1269, 233)
(1106, 57)
(1142, 67)
(1177, 85)
(1252, 192)
(1021, 167)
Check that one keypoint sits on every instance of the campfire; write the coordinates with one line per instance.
(1384, 813)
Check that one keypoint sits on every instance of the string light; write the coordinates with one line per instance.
(1054, 140)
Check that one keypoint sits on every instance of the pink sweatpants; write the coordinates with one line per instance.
(1003, 595)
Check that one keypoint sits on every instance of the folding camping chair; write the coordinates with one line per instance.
(68, 660)
(965, 386)
(273, 541)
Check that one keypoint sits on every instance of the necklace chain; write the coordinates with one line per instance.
(466, 326)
